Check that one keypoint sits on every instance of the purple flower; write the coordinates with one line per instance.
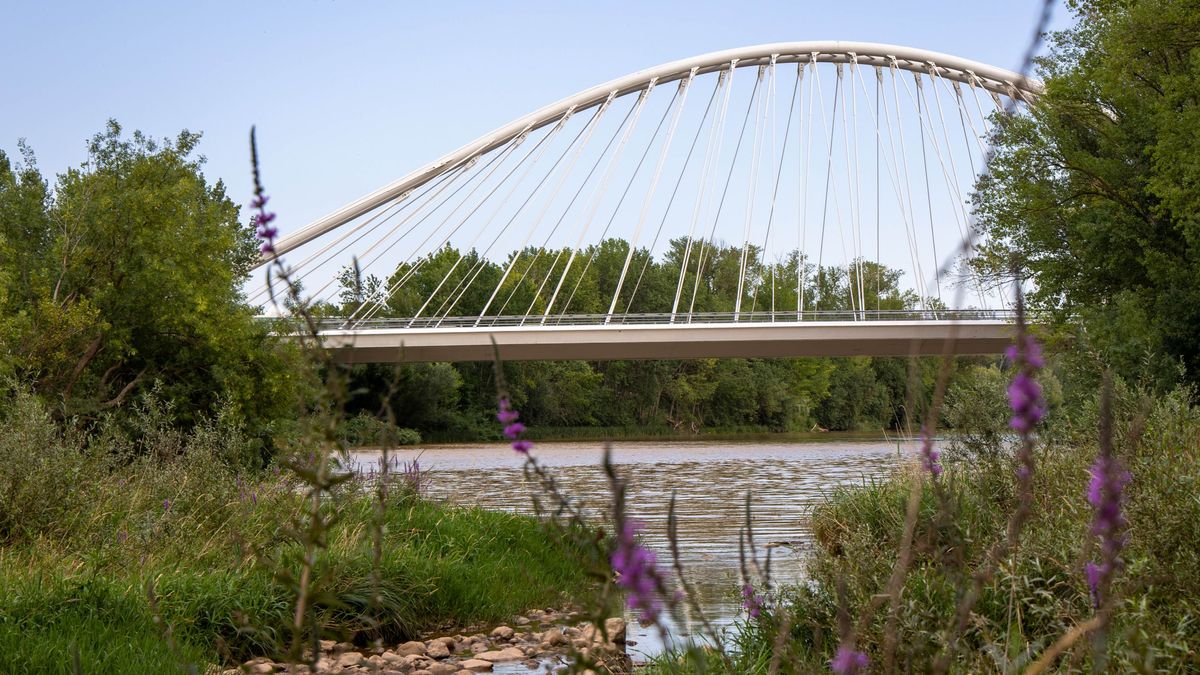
(506, 415)
(1024, 392)
(166, 505)
(752, 602)
(636, 573)
(513, 429)
(264, 231)
(122, 535)
(1105, 494)
(847, 661)
(930, 456)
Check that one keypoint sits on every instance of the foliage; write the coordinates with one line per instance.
(455, 401)
(1039, 592)
(1093, 193)
(124, 277)
(367, 430)
(82, 535)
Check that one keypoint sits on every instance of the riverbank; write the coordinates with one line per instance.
(742, 434)
(111, 564)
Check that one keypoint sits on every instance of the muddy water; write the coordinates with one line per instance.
(710, 479)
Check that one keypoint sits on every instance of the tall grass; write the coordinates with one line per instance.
(86, 529)
(1039, 592)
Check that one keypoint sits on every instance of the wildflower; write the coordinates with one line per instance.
(1024, 392)
(122, 535)
(166, 505)
(752, 602)
(1105, 490)
(264, 231)
(847, 661)
(513, 429)
(636, 573)
(930, 456)
(506, 415)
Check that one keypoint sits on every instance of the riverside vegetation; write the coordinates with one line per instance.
(170, 494)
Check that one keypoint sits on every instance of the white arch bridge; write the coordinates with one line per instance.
(804, 198)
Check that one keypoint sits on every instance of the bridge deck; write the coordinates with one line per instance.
(678, 341)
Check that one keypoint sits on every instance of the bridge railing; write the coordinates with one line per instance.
(662, 319)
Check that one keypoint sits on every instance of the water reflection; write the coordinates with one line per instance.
(710, 479)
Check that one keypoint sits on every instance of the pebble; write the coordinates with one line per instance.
(503, 632)
(476, 665)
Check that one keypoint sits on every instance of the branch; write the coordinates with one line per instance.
(120, 397)
(92, 350)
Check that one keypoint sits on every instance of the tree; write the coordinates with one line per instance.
(129, 276)
(1095, 193)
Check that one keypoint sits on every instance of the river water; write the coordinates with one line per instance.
(710, 479)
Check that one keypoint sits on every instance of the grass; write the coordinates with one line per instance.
(1038, 594)
(85, 531)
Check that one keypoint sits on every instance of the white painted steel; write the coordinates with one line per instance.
(995, 80)
(678, 341)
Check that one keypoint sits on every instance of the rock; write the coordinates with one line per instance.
(327, 645)
(262, 667)
(580, 643)
(420, 672)
(375, 660)
(349, 659)
(325, 665)
(477, 647)
(476, 665)
(437, 650)
(345, 646)
(410, 648)
(441, 668)
(523, 621)
(532, 664)
(391, 657)
(448, 641)
(554, 637)
(415, 661)
(506, 654)
(503, 632)
(615, 627)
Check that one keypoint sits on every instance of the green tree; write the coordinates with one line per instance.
(1095, 192)
(129, 276)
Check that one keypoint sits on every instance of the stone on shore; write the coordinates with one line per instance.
(437, 650)
(615, 627)
(476, 665)
(503, 632)
(506, 654)
(411, 648)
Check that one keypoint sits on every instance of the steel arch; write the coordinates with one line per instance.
(974, 73)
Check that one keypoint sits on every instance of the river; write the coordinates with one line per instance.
(711, 480)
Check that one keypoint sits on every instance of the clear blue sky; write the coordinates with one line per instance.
(350, 95)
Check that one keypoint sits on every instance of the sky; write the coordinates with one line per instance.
(349, 96)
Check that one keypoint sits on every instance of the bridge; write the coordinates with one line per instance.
(788, 199)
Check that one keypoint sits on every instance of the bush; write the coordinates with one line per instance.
(365, 430)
